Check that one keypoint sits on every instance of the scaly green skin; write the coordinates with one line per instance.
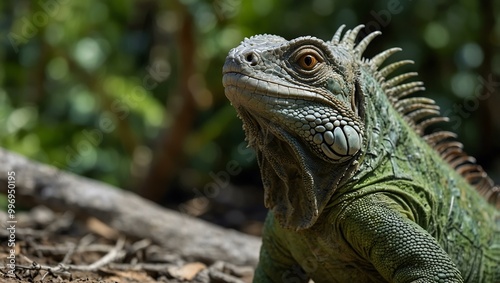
(383, 207)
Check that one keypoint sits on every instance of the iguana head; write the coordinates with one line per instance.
(304, 86)
(302, 110)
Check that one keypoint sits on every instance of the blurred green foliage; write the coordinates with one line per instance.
(89, 86)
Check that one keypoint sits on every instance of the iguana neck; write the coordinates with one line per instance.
(382, 134)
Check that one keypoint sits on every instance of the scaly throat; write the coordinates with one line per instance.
(298, 184)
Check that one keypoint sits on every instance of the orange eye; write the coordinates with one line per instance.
(308, 61)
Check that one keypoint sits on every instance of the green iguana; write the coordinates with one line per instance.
(357, 191)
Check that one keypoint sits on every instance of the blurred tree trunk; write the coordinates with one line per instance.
(169, 148)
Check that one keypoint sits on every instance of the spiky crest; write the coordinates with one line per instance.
(378, 59)
(392, 67)
(419, 112)
(360, 48)
(398, 79)
(350, 37)
(338, 33)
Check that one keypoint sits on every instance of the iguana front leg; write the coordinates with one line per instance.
(398, 248)
(276, 264)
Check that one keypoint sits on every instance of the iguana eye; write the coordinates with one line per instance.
(308, 61)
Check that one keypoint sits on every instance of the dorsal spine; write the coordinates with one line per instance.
(419, 112)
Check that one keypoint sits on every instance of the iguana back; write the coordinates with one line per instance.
(357, 191)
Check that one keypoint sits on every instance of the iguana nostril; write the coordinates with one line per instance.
(251, 58)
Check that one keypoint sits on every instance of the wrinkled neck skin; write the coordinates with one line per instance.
(297, 183)
(383, 131)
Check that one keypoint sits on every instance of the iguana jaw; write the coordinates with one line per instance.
(332, 135)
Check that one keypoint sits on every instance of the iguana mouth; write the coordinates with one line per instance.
(248, 85)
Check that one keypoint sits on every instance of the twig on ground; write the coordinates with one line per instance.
(112, 255)
(70, 252)
(149, 267)
(63, 270)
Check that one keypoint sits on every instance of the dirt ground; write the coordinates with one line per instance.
(59, 247)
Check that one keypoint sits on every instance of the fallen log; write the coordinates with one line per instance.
(126, 212)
